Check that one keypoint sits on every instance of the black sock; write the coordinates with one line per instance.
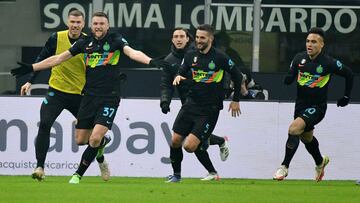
(203, 157)
(102, 141)
(176, 156)
(292, 144)
(87, 157)
(100, 159)
(41, 147)
(313, 148)
(214, 139)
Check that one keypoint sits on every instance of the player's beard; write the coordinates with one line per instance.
(203, 46)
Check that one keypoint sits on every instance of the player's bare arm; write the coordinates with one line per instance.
(52, 61)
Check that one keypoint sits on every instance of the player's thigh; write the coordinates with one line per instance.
(73, 102)
(106, 111)
(311, 116)
(204, 125)
(51, 107)
(183, 123)
(87, 112)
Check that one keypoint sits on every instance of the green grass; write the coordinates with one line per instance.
(125, 189)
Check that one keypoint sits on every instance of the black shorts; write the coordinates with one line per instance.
(97, 110)
(56, 101)
(311, 115)
(201, 125)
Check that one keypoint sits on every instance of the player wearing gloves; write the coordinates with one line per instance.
(312, 71)
(181, 43)
(101, 99)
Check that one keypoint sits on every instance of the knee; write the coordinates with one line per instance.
(82, 136)
(81, 140)
(176, 141)
(190, 147)
(94, 141)
(295, 130)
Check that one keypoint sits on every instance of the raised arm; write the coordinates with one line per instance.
(52, 61)
(136, 55)
(140, 57)
(45, 64)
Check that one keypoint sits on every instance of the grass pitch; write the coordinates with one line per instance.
(125, 189)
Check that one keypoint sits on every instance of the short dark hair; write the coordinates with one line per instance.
(101, 14)
(206, 27)
(317, 30)
(75, 12)
(186, 31)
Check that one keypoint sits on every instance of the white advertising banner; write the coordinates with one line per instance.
(141, 135)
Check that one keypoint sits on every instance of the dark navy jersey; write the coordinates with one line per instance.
(101, 59)
(169, 73)
(313, 77)
(208, 76)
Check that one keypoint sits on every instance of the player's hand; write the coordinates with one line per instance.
(25, 88)
(235, 109)
(165, 108)
(23, 69)
(343, 101)
(288, 80)
(159, 62)
(178, 79)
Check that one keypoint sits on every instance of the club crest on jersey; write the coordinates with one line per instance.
(319, 69)
(195, 59)
(303, 61)
(106, 47)
(211, 65)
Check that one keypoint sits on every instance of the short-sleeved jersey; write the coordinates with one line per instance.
(313, 77)
(101, 58)
(208, 77)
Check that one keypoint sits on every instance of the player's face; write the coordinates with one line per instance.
(314, 45)
(75, 25)
(203, 40)
(180, 39)
(99, 26)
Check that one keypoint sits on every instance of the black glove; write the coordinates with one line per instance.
(165, 108)
(288, 80)
(343, 101)
(23, 69)
(159, 62)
